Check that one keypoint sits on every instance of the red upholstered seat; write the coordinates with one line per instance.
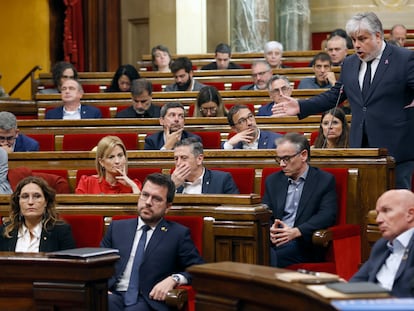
(87, 230)
(238, 84)
(46, 141)
(87, 141)
(313, 137)
(91, 88)
(211, 140)
(105, 111)
(344, 249)
(243, 177)
(139, 173)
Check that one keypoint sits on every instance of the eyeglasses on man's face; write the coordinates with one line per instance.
(155, 199)
(278, 91)
(7, 138)
(287, 159)
(259, 74)
(243, 121)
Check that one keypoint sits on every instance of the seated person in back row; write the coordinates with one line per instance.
(302, 198)
(61, 72)
(182, 70)
(72, 109)
(172, 120)
(192, 177)
(261, 74)
(222, 55)
(248, 136)
(391, 263)
(142, 107)
(10, 138)
(277, 86)
(324, 76)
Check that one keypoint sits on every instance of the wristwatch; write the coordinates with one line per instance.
(176, 278)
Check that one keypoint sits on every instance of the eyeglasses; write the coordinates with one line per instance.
(242, 121)
(280, 90)
(255, 75)
(144, 196)
(8, 138)
(207, 109)
(286, 159)
(34, 196)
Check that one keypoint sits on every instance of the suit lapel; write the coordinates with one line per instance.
(262, 140)
(407, 254)
(206, 181)
(381, 70)
(156, 238)
(308, 189)
(281, 199)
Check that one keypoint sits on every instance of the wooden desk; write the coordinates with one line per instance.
(36, 282)
(230, 286)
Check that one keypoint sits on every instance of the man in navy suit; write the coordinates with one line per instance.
(169, 250)
(391, 262)
(382, 116)
(10, 138)
(302, 199)
(278, 85)
(190, 176)
(72, 92)
(172, 119)
(248, 136)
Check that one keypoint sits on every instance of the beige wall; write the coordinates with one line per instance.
(24, 42)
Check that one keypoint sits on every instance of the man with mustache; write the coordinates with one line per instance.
(378, 81)
(182, 70)
(142, 107)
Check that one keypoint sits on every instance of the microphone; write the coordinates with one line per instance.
(341, 90)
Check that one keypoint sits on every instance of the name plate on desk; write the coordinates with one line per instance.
(83, 252)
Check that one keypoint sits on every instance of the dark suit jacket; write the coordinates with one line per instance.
(387, 123)
(156, 140)
(25, 143)
(404, 279)
(55, 239)
(213, 66)
(265, 110)
(247, 87)
(217, 182)
(87, 112)
(152, 112)
(173, 87)
(266, 140)
(170, 250)
(317, 206)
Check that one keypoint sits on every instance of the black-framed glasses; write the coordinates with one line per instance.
(287, 158)
(7, 138)
(207, 109)
(242, 121)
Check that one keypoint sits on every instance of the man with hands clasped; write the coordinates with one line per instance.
(172, 119)
(302, 198)
(248, 136)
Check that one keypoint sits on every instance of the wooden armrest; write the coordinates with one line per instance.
(322, 237)
(177, 298)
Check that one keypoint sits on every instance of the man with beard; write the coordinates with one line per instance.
(302, 199)
(378, 81)
(172, 120)
(141, 92)
(154, 253)
(248, 136)
(182, 69)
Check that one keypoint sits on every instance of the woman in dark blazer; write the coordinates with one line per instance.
(33, 224)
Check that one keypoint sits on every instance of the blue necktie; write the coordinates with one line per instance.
(367, 80)
(131, 295)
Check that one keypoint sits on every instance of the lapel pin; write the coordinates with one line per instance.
(386, 62)
(164, 229)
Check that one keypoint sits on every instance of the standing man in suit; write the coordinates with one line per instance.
(248, 136)
(72, 92)
(172, 120)
(261, 74)
(191, 177)
(302, 199)
(382, 106)
(10, 137)
(169, 251)
(391, 263)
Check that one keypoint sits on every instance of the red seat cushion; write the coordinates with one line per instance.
(87, 230)
(243, 177)
(46, 141)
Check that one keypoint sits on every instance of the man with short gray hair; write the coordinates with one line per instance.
(10, 138)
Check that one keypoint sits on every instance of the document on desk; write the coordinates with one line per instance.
(390, 304)
(330, 293)
(84, 252)
(309, 277)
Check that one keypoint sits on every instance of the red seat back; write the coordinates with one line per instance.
(218, 85)
(265, 173)
(238, 84)
(313, 137)
(46, 141)
(87, 141)
(194, 223)
(243, 177)
(87, 230)
(105, 111)
(211, 140)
